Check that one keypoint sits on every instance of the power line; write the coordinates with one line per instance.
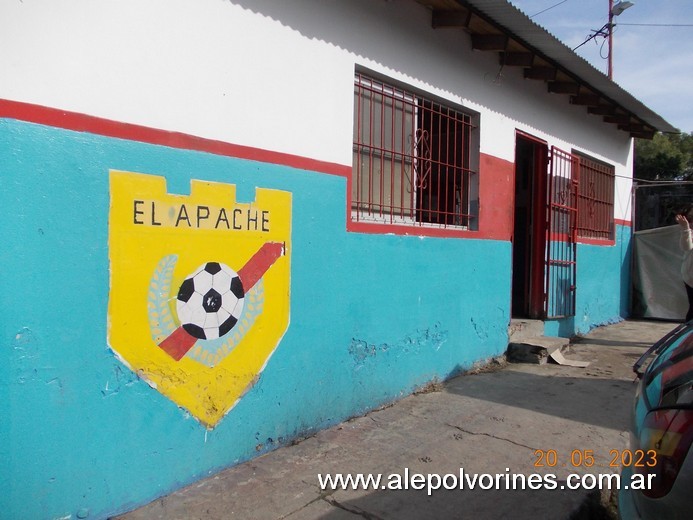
(604, 31)
(659, 184)
(659, 24)
(548, 8)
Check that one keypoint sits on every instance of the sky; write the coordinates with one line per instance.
(652, 62)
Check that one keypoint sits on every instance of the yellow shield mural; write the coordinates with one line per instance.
(200, 286)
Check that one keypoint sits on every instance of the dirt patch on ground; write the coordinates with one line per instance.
(492, 365)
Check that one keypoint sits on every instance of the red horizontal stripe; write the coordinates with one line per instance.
(597, 241)
(563, 237)
(106, 127)
(414, 230)
(493, 226)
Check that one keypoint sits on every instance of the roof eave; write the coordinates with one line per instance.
(498, 26)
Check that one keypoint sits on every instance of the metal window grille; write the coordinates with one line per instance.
(412, 158)
(596, 200)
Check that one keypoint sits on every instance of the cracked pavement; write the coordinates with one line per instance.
(498, 421)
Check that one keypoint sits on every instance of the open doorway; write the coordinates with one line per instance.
(529, 232)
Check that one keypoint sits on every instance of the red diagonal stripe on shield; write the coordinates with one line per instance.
(180, 342)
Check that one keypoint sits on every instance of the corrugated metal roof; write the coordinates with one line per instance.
(520, 27)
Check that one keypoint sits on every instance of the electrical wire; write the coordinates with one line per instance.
(602, 54)
(646, 183)
(649, 181)
(548, 8)
(659, 24)
(599, 32)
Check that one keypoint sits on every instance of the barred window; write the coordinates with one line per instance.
(596, 184)
(413, 160)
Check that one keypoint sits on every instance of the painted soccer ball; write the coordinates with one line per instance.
(210, 301)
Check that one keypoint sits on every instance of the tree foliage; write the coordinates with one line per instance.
(668, 161)
(666, 157)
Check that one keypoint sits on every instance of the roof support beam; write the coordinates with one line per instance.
(585, 99)
(457, 18)
(602, 110)
(636, 128)
(649, 135)
(619, 119)
(544, 73)
(632, 127)
(564, 87)
(489, 42)
(517, 59)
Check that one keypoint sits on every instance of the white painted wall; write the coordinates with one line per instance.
(275, 75)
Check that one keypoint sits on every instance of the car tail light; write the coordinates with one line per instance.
(669, 432)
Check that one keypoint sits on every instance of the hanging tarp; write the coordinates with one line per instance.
(658, 290)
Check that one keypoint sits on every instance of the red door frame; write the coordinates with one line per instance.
(552, 269)
(539, 225)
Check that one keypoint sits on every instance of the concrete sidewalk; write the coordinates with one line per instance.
(492, 420)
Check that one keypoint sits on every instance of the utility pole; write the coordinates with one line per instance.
(614, 10)
(611, 39)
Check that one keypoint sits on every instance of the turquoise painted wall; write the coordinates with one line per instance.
(373, 317)
(603, 287)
